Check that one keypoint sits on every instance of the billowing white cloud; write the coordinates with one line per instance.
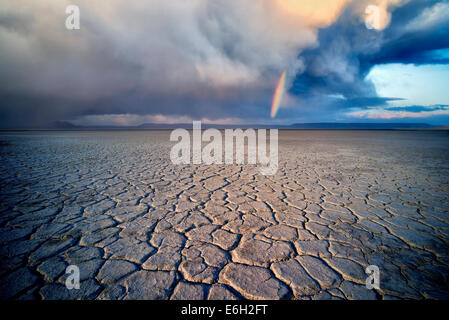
(153, 46)
(159, 46)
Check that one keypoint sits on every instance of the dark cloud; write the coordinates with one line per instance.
(348, 51)
(216, 60)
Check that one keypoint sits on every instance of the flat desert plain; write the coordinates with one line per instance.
(139, 227)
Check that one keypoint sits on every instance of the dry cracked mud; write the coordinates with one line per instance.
(139, 227)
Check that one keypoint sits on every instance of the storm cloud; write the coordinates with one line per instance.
(163, 61)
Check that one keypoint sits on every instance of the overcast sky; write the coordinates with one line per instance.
(162, 61)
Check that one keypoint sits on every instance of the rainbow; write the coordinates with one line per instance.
(278, 95)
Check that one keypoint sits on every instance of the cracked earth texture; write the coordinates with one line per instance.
(139, 227)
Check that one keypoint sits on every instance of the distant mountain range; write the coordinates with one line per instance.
(304, 126)
(65, 125)
(363, 126)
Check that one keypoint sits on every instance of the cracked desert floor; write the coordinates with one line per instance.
(139, 227)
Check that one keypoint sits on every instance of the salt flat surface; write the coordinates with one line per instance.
(139, 227)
